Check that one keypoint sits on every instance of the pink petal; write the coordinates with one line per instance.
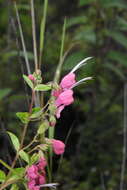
(31, 184)
(56, 93)
(42, 163)
(58, 146)
(42, 180)
(32, 172)
(65, 98)
(68, 81)
(59, 110)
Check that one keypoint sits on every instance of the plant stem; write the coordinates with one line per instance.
(42, 31)
(34, 34)
(22, 38)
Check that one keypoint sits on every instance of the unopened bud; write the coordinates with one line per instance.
(52, 121)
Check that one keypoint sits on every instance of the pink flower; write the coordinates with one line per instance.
(64, 95)
(36, 174)
(68, 81)
(32, 172)
(42, 179)
(31, 77)
(65, 98)
(31, 184)
(58, 146)
(42, 163)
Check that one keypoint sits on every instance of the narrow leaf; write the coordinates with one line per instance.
(42, 87)
(28, 81)
(24, 156)
(23, 116)
(15, 140)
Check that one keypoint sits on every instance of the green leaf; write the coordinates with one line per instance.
(23, 116)
(15, 140)
(42, 87)
(43, 127)
(87, 35)
(85, 2)
(17, 174)
(28, 81)
(115, 69)
(24, 156)
(2, 176)
(4, 92)
(113, 3)
(34, 158)
(14, 187)
(76, 20)
(121, 24)
(119, 57)
(36, 112)
(118, 37)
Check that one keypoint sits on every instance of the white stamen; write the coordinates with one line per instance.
(50, 185)
(81, 81)
(80, 64)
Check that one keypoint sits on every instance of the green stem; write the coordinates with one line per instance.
(42, 31)
(34, 34)
(22, 38)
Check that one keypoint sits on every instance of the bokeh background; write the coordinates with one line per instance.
(93, 125)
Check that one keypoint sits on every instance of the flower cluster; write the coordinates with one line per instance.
(36, 174)
(64, 95)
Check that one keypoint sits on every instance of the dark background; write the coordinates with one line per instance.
(98, 28)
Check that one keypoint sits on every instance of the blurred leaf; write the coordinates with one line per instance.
(2, 176)
(118, 37)
(121, 24)
(23, 116)
(114, 3)
(85, 2)
(4, 92)
(72, 60)
(15, 140)
(28, 81)
(24, 7)
(116, 70)
(42, 87)
(15, 53)
(14, 187)
(24, 156)
(119, 57)
(87, 35)
(76, 20)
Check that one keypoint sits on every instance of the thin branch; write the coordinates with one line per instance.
(123, 165)
(22, 38)
(34, 34)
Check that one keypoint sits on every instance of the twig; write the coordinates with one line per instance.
(34, 34)
(123, 165)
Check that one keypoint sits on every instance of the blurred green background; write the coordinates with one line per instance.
(97, 28)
